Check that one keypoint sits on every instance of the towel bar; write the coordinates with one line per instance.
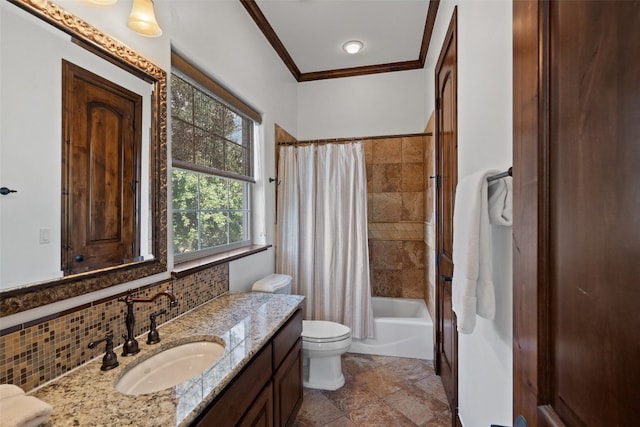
(501, 175)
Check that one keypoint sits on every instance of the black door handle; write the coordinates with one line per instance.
(446, 278)
(79, 258)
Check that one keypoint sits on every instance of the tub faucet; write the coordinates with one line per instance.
(130, 346)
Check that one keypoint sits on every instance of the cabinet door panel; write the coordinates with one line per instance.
(286, 338)
(288, 387)
(260, 414)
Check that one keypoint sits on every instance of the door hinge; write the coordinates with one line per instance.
(437, 260)
(438, 103)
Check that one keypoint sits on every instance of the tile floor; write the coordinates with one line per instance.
(379, 391)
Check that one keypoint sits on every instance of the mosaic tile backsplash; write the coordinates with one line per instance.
(42, 350)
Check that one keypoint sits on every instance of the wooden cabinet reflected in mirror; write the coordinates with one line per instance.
(117, 198)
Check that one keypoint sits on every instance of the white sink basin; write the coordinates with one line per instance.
(169, 367)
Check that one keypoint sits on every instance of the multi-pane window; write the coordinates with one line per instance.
(212, 171)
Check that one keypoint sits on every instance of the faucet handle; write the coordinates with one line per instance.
(157, 313)
(153, 337)
(110, 360)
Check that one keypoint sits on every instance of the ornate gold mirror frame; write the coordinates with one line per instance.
(24, 298)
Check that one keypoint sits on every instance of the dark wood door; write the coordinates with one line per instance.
(577, 203)
(100, 182)
(447, 172)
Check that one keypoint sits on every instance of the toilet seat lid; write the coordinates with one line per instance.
(271, 283)
(324, 331)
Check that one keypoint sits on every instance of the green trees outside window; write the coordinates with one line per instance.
(211, 175)
(208, 211)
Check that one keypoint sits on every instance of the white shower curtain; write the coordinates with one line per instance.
(322, 232)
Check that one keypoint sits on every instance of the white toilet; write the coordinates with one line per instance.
(323, 342)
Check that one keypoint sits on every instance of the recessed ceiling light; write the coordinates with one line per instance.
(352, 47)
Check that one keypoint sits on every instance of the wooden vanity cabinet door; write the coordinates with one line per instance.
(286, 338)
(287, 368)
(260, 414)
(287, 387)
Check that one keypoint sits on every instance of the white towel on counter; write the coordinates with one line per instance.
(9, 390)
(472, 286)
(20, 410)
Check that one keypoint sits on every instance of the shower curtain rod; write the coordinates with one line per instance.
(348, 140)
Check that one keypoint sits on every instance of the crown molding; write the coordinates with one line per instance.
(261, 21)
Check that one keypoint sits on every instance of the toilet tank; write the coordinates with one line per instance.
(273, 284)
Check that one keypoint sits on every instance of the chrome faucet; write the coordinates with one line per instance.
(130, 346)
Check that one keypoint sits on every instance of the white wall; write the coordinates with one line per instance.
(242, 275)
(484, 142)
(378, 104)
(236, 53)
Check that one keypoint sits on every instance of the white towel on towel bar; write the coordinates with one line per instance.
(472, 286)
(500, 195)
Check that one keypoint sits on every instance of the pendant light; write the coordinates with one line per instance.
(142, 19)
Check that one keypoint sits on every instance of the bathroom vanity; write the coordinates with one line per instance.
(270, 386)
(256, 380)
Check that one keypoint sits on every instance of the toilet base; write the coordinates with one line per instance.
(323, 373)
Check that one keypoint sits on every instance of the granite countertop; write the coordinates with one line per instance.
(244, 321)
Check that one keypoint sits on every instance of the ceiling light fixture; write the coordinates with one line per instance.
(352, 47)
(142, 19)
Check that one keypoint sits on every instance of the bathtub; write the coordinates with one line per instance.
(402, 328)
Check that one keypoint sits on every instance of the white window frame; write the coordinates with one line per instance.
(246, 180)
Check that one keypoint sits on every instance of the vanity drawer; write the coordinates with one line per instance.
(286, 338)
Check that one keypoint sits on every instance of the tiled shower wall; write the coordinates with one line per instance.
(38, 351)
(396, 216)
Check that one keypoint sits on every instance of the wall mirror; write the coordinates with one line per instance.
(37, 39)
